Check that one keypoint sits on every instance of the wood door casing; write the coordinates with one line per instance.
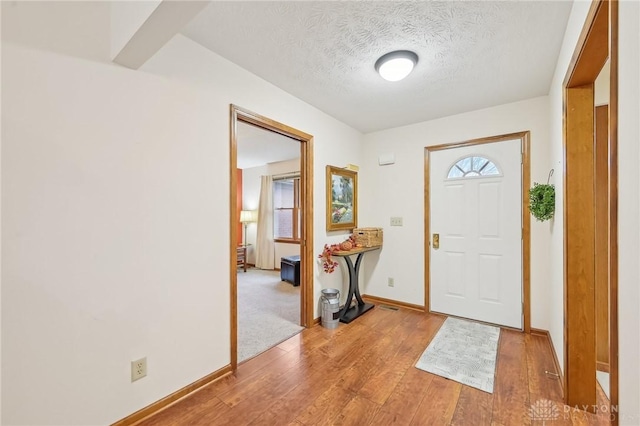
(239, 207)
(597, 42)
(306, 195)
(602, 236)
(579, 251)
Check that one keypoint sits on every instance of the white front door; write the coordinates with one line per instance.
(476, 208)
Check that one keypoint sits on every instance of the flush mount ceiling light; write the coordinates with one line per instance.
(394, 66)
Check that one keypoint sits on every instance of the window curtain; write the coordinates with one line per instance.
(265, 250)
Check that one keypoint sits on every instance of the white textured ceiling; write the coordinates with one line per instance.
(473, 54)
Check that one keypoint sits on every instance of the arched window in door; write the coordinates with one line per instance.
(473, 166)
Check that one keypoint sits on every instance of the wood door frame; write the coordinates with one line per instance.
(597, 42)
(306, 195)
(526, 219)
(601, 154)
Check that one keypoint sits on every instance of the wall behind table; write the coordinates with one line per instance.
(398, 190)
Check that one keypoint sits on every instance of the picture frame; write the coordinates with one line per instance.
(342, 199)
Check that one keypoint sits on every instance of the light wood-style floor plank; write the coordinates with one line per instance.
(475, 407)
(539, 362)
(439, 404)
(402, 404)
(511, 391)
(326, 407)
(364, 373)
(357, 412)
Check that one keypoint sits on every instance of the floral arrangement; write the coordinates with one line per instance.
(328, 264)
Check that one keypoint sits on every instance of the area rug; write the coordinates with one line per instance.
(268, 311)
(463, 351)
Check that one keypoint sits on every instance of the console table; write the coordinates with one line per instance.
(348, 313)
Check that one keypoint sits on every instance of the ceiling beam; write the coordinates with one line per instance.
(146, 30)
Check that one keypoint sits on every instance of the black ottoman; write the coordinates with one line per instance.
(290, 269)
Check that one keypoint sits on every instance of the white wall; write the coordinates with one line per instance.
(334, 143)
(628, 196)
(629, 212)
(398, 190)
(115, 213)
(251, 198)
(556, 289)
(601, 86)
(0, 222)
(108, 237)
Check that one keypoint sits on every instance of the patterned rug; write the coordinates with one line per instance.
(463, 351)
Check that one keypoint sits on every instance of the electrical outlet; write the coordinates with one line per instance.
(138, 369)
(390, 282)
(396, 221)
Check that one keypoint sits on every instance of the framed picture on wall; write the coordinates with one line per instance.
(342, 198)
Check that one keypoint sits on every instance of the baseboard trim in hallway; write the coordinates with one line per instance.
(545, 333)
(391, 302)
(167, 401)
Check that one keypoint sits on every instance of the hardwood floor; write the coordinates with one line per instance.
(363, 374)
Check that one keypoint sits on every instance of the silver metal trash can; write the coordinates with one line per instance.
(330, 307)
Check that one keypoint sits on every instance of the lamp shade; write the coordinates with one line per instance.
(248, 216)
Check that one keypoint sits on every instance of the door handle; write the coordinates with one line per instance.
(436, 241)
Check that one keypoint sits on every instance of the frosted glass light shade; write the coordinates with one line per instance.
(395, 66)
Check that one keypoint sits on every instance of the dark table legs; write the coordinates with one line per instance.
(348, 313)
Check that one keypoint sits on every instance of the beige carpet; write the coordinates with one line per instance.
(268, 311)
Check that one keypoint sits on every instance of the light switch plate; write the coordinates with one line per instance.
(396, 221)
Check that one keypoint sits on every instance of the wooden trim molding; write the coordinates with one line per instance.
(525, 138)
(286, 241)
(391, 302)
(306, 197)
(592, 49)
(579, 247)
(597, 42)
(556, 363)
(427, 231)
(601, 258)
(526, 232)
(233, 239)
(613, 209)
(167, 401)
(306, 245)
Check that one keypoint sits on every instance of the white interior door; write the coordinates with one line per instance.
(476, 208)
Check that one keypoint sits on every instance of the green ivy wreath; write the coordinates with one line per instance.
(542, 201)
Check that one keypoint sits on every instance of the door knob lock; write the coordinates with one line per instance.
(436, 241)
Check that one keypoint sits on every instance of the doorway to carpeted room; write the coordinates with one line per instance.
(268, 311)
